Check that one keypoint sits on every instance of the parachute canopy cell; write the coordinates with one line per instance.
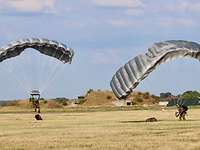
(44, 46)
(129, 76)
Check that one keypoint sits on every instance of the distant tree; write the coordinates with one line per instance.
(164, 95)
(89, 91)
(62, 100)
(147, 93)
(190, 95)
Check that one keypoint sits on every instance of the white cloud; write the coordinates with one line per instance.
(135, 12)
(177, 22)
(125, 23)
(74, 24)
(119, 3)
(120, 23)
(178, 6)
(188, 6)
(28, 5)
(165, 22)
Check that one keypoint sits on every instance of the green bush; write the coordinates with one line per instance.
(80, 101)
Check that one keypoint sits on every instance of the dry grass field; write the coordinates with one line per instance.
(113, 130)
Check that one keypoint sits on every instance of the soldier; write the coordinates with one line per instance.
(35, 97)
(36, 105)
(181, 112)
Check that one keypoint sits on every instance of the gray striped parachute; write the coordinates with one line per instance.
(44, 46)
(129, 76)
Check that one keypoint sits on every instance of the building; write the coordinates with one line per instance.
(166, 98)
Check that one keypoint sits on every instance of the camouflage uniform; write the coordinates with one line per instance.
(181, 112)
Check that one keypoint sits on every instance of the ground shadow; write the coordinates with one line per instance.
(140, 121)
(136, 121)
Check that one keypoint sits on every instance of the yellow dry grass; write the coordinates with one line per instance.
(106, 98)
(113, 130)
(99, 98)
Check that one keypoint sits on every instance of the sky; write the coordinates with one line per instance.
(105, 34)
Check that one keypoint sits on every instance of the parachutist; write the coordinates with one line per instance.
(35, 99)
(181, 112)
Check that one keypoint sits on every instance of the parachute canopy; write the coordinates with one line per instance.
(129, 76)
(44, 46)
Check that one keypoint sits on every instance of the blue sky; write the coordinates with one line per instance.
(105, 34)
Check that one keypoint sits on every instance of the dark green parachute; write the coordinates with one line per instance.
(129, 76)
(44, 46)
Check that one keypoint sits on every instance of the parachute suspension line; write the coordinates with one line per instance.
(27, 74)
(41, 71)
(20, 80)
(52, 76)
(7, 68)
(23, 78)
(47, 67)
(29, 68)
(37, 72)
(23, 69)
